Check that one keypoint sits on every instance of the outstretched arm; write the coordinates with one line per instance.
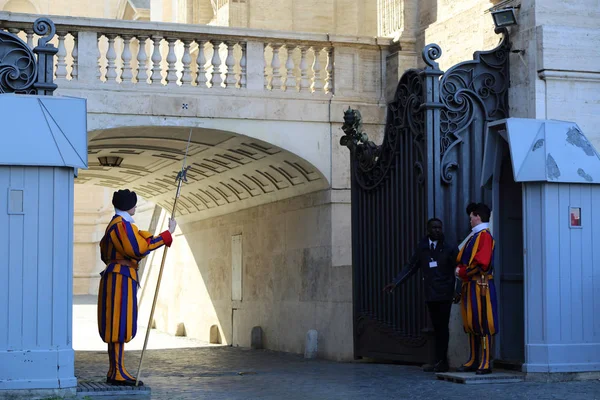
(135, 243)
(408, 271)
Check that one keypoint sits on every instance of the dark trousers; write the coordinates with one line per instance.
(439, 312)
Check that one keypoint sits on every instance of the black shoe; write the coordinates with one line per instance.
(116, 382)
(441, 366)
(428, 367)
(483, 371)
(464, 368)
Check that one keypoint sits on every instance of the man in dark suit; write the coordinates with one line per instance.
(437, 260)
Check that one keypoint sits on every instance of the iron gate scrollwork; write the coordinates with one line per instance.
(427, 165)
(21, 72)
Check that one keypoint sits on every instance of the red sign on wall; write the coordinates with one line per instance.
(575, 216)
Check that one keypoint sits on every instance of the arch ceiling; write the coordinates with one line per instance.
(228, 172)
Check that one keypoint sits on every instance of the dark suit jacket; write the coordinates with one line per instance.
(440, 282)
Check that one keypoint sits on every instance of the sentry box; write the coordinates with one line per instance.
(44, 142)
(545, 176)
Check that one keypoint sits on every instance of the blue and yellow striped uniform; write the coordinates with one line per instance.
(121, 249)
(479, 307)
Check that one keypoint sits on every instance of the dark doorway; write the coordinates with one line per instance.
(509, 266)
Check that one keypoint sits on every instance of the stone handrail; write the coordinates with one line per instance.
(156, 54)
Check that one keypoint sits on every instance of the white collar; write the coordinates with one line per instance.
(125, 215)
(432, 241)
(480, 227)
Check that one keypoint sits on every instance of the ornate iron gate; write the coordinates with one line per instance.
(428, 165)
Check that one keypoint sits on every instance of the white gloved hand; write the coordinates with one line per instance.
(172, 225)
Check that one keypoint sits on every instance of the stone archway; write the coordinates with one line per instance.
(249, 208)
(228, 172)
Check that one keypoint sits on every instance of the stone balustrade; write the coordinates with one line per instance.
(151, 54)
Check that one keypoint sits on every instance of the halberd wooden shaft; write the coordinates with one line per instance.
(160, 272)
(181, 176)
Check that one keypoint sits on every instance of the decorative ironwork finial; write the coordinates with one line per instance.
(45, 28)
(430, 53)
(352, 128)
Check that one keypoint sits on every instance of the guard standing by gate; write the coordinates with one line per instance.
(479, 306)
(121, 249)
(436, 259)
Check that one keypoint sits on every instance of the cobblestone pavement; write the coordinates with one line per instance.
(179, 368)
(233, 373)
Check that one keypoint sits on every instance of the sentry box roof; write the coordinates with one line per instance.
(541, 151)
(43, 131)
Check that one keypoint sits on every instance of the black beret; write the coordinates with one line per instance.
(124, 200)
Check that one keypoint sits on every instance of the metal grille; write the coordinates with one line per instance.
(389, 213)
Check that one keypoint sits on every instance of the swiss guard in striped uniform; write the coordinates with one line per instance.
(479, 306)
(121, 249)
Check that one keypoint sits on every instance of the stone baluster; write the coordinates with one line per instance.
(186, 60)
(126, 73)
(243, 66)
(29, 33)
(230, 78)
(75, 55)
(317, 82)
(61, 63)
(14, 31)
(216, 65)
(304, 82)
(171, 60)
(111, 56)
(142, 58)
(267, 77)
(99, 57)
(276, 82)
(329, 71)
(156, 59)
(201, 63)
(290, 80)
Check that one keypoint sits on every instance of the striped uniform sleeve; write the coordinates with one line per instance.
(482, 258)
(138, 245)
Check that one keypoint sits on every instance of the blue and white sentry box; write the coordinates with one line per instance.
(44, 142)
(545, 178)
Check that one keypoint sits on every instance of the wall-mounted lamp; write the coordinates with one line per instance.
(504, 17)
(110, 161)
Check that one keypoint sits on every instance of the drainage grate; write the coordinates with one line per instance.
(94, 389)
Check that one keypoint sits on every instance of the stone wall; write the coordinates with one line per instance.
(290, 283)
(350, 17)
(567, 63)
(78, 8)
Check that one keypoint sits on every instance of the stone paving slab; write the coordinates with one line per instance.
(228, 373)
(179, 368)
(470, 378)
